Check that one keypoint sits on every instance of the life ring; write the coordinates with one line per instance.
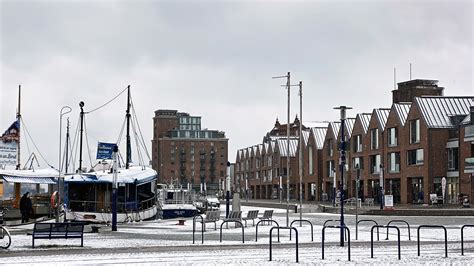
(55, 199)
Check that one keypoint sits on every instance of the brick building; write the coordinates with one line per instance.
(410, 147)
(183, 151)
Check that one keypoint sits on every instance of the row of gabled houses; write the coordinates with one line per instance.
(423, 138)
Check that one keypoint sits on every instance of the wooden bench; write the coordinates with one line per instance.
(267, 216)
(211, 217)
(58, 230)
(251, 215)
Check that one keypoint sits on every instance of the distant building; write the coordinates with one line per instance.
(182, 151)
(421, 140)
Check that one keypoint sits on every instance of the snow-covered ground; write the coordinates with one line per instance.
(163, 241)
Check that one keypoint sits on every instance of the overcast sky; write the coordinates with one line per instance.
(215, 59)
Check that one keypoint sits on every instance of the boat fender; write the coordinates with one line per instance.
(55, 199)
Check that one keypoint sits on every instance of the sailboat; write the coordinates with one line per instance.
(88, 194)
(15, 180)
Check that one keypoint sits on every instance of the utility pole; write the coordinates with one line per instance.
(342, 163)
(301, 151)
(287, 76)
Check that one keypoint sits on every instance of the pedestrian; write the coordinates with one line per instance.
(25, 207)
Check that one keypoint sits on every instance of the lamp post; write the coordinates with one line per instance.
(357, 197)
(301, 152)
(381, 186)
(287, 76)
(114, 189)
(64, 110)
(227, 195)
(342, 163)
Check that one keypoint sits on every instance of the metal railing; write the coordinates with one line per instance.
(306, 221)
(369, 220)
(372, 238)
(462, 237)
(263, 221)
(433, 226)
(202, 227)
(399, 221)
(290, 228)
(233, 221)
(348, 240)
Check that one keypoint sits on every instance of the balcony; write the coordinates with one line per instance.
(469, 165)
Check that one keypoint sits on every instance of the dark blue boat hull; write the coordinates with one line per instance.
(176, 213)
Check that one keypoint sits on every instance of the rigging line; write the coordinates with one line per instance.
(139, 129)
(74, 143)
(34, 144)
(87, 142)
(103, 105)
(140, 157)
(121, 132)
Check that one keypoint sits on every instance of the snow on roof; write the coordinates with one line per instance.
(282, 145)
(305, 134)
(382, 115)
(364, 120)
(34, 173)
(436, 111)
(319, 134)
(335, 128)
(134, 174)
(402, 110)
(260, 148)
(349, 125)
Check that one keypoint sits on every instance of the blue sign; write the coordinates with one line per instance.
(104, 150)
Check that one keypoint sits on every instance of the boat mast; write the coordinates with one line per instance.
(67, 146)
(81, 105)
(128, 148)
(18, 119)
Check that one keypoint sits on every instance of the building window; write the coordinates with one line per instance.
(375, 164)
(310, 160)
(394, 162)
(415, 131)
(330, 148)
(374, 138)
(330, 168)
(453, 159)
(358, 161)
(392, 137)
(357, 144)
(415, 157)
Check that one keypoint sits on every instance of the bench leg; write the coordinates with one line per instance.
(215, 226)
(82, 241)
(33, 244)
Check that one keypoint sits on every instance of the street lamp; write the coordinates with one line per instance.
(64, 110)
(357, 196)
(287, 76)
(342, 163)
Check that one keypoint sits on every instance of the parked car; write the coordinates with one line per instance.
(213, 203)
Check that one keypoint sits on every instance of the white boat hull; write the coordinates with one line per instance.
(106, 217)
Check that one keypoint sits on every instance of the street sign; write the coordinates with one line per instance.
(389, 201)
